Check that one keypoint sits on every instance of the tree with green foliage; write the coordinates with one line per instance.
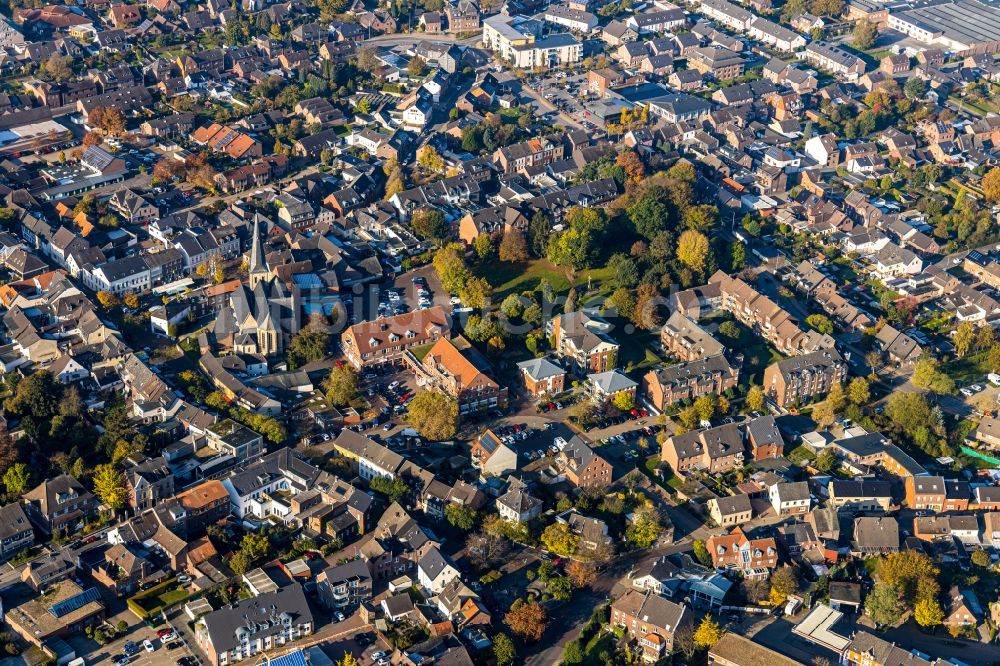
(693, 250)
(256, 545)
(240, 563)
(826, 461)
(928, 375)
(309, 344)
(484, 247)
(755, 399)
(430, 224)
(980, 558)
(645, 527)
(341, 385)
(16, 478)
(701, 553)
(928, 613)
(964, 338)
(504, 650)
(460, 516)
(858, 391)
(434, 415)
(915, 88)
(395, 488)
(820, 323)
(623, 401)
(883, 604)
(865, 34)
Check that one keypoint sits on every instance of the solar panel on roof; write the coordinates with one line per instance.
(296, 658)
(75, 602)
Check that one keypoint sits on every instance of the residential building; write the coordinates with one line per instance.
(652, 621)
(859, 495)
(386, 341)
(790, 498)
(519, 40)
(344, 584)
(735, 550)
(685, 339)
(583, 344)
(252, 626)
(803, 378)
(492, 455)
(876, 535)
(736, 650)
(16, 532)
(541, 377)
(456, 368)
(834, 59)
(730, 511)
(713, 450)
(582, 466)
(60, 505)
(66, 610)
(670, 384)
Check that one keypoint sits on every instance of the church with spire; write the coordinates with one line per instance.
(262, 315)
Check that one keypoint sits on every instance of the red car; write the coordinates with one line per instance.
(164, 632)
(310, 555)
(404, 398)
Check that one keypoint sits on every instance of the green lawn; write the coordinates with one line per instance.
(636, 354)
(970, 369)
(757, 353)
(801, 454)
(515, 278)
(420, 352)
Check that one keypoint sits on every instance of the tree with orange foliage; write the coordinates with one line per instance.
(91, 139)
(634, 169)
(528, 620)
(580, 574)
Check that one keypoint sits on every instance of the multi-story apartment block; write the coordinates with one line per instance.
(767, 318)
(519, 40)
(685, 339)
(801, 378)
(541, 377)
(255, 625)
(582, 466)
(688, 381)
(582, 343)
(447, 367)
(385, 341)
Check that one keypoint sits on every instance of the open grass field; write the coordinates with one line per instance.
(528, 276)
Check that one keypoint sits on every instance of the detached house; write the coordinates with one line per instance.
(754, 557)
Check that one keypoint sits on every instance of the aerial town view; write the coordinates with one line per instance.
(500, 332)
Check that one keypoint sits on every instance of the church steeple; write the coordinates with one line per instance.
(258, 271)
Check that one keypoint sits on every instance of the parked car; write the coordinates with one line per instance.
(148, 645)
